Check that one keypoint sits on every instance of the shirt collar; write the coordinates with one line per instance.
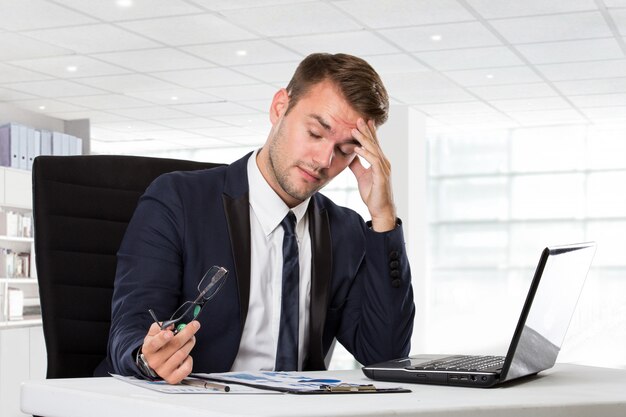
(267, 206)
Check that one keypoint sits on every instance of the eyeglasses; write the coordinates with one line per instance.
(209, 285)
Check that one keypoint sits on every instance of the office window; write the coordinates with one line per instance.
(496, 199)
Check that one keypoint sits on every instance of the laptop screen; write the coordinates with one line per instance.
(548, 309)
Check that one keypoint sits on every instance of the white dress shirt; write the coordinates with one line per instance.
(257, 350)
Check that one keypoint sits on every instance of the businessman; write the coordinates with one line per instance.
(302, 270)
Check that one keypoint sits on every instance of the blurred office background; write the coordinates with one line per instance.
(516, 113)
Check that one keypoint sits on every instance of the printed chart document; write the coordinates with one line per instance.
(296, 383)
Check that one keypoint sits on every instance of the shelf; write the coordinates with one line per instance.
(17, 239)
(27, 321)
(29, 280)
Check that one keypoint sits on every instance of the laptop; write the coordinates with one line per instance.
(545, 317)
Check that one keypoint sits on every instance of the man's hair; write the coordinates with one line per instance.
(354, 77)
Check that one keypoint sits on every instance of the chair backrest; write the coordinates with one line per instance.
(81, 208)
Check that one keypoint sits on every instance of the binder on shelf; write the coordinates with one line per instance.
(5, 146)
(57, 139)
(9, 145)
(34, 146)
(46, 142)
(22, 153)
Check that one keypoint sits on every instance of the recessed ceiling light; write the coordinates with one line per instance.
(129, 127)
(42, 107)
(436, 38)
(490, 76)
(242, 52)
(124, 3)
(72, 68)
(174, 98)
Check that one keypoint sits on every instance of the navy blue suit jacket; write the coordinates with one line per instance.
(187, 222)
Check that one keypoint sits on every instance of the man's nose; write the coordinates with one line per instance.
(324, 155)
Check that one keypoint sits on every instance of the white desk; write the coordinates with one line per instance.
(566, 390)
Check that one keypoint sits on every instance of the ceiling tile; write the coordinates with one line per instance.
(222, 132)
(10, 95)
(545, 117)
(454, 108)
(14, 47)
(391, 13)
(214, 109)
(615, 3)
(153, 113)
(130, 147)
(139, 9)
(243, 53)
(355, 43)
(584, 70)
(600, 100)
(11, 74)
(130, 126)
(394, 63)
(292, 19)
(54, 88)
(249, 120)
(243, 92)
(495, 56)
(199, 142)
(58, 66)
(457, 35)
(600, 86)
(172, 135)
(279, 73)
(37, 14)
(209, 77)
(494, 76)
(553, 27)
(149, 60)
(219, 5)
(188, 30)
(106, 101)
(424, 87)
(492, 9)
(49, 106)
(529, 104)
(94, 116)
(174, 96)
(93, 38)
(571, 51)
(512, 91)
(619, 17)
(606, 114)
(189, 123)
(129, 83)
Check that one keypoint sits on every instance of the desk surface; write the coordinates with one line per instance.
(565, 390)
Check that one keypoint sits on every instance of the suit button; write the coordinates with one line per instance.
(396, 283)
(394, 264)
(394, 274)
(394, 254)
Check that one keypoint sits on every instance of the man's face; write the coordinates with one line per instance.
(310, 145)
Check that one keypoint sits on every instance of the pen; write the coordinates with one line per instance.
(205, 384)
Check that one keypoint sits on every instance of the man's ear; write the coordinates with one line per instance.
(279, 105)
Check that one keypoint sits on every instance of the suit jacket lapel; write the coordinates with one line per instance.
(237, 210)
(321, 269)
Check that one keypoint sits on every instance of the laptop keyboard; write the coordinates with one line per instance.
(462, 363)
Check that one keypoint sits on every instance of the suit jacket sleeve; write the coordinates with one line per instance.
(148, 272)
(377, 319)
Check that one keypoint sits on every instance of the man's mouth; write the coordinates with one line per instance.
(310, 175)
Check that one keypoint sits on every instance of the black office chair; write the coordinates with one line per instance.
(81, 207)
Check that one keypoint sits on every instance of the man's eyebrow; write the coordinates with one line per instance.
(321, 121)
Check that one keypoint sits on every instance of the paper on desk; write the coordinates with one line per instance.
(162, 386)
(279, 381)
